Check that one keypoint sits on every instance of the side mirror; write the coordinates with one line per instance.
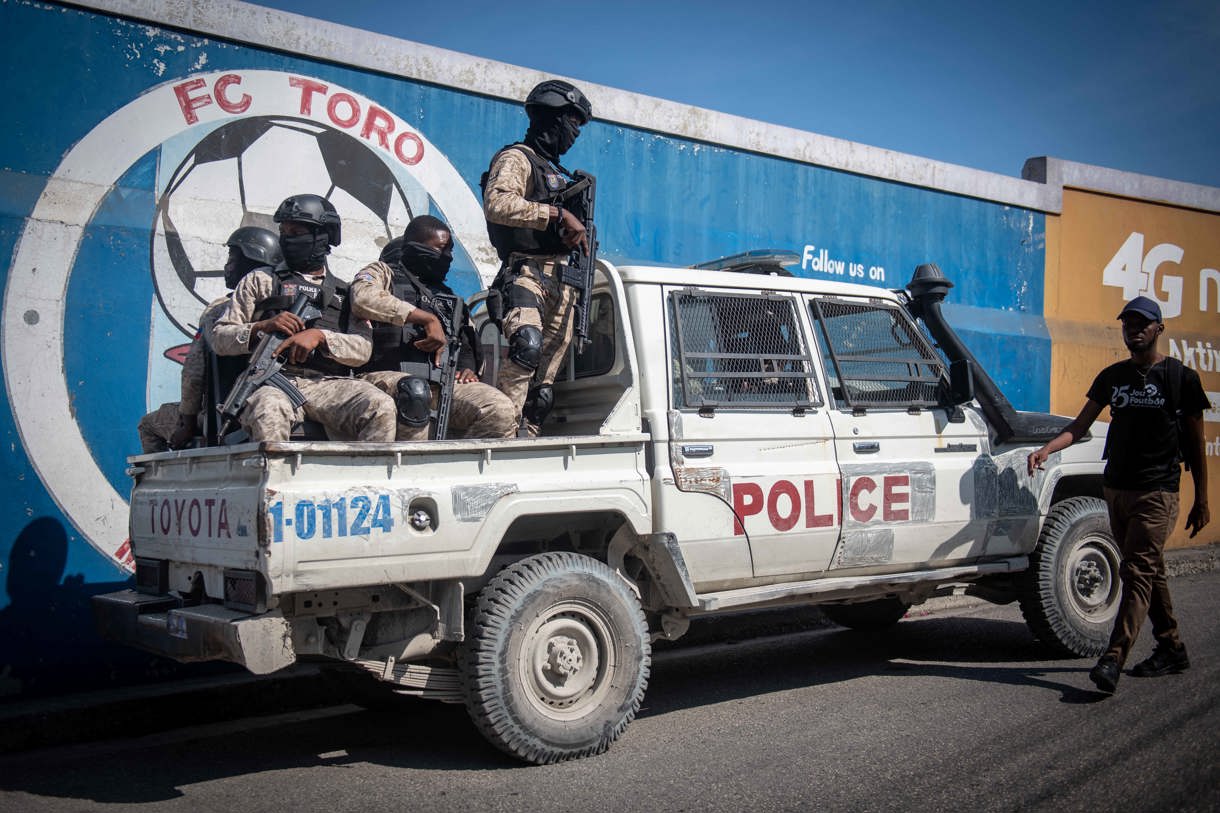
(961, 382)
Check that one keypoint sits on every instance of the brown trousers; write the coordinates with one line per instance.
(1141, 522)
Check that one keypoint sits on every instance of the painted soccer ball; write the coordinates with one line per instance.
(238, 174)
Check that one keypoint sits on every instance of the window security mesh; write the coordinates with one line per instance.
(874, 357)
(739, 350)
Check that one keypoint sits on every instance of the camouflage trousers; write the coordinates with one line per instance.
(157, 427)
(477, 410)
(348, 408)
(553, 318)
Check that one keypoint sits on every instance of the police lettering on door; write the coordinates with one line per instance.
(788, 505)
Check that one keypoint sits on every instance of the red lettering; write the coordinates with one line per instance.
(227, 104)
(188, 103)
(152, 516)
(179, 507)
(812, 518)
(208, 503)
(414, 158)
(194, 516)
(747, 501)
(783, 522)
(332, 110)
(308, 89)
(859, 512)
(892, 499)
(222, 522)
(166, 517)
(378, 121)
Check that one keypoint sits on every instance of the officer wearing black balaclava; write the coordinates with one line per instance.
(399, 293)
(533, 233)
(320, 355)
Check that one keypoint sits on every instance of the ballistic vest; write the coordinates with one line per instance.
(393, 346)
(330, 298)
(547, 184)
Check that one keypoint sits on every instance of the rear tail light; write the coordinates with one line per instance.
(245, 590)
(152, 576)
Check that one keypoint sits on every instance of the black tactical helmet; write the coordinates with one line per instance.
(314, 210)
(257, 245)
(556, 93)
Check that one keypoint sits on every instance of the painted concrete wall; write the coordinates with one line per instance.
(150, 130)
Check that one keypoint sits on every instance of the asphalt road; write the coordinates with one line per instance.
(956, 709)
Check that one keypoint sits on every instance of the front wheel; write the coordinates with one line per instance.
(557, 658)
(1071, 592)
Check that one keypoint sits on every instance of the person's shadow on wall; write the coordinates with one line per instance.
(49, 643)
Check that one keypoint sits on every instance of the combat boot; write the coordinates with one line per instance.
(1162, 661)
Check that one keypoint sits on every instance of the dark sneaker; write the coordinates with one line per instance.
(1163, 661)
(1105, 674)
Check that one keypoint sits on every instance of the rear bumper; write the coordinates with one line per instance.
(206, 632)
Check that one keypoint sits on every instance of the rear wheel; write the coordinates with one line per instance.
(1071, 592)
(556, 658)
(868, 616)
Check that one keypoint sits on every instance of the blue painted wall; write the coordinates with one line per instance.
(661, 199)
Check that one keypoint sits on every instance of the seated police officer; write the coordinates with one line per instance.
(533, 233)
(321, 356)
(399, 293)
(172, 425)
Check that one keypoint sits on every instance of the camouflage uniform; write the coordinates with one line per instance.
(477, 409)
(348, 408)
(509, 181)
(158, 426)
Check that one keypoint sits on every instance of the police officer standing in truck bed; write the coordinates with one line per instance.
(534, 233)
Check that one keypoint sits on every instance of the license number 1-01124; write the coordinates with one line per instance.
(361, 515)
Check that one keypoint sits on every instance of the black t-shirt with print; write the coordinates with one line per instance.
(1142, 444)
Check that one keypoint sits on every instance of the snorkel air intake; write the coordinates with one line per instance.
(927, 289)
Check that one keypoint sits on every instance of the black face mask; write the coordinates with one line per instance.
(305, 252)
(237, 267)
(551, 134)
(426, 262)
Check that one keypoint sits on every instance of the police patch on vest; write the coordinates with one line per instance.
(555, 181)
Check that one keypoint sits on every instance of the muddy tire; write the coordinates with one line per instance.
(556, 658)
(867, 616)
(1071, 592)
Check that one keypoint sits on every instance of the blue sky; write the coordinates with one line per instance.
(1129, 85)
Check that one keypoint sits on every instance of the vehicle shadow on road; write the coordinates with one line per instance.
(978, 649)
(426, 736)
(423, 736)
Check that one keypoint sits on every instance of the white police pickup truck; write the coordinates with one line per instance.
(729, 439)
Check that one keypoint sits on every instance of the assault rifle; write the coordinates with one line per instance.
(264, 368)
(578, 272)
(448, 309)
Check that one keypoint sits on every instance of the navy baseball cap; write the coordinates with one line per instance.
(1144, 306)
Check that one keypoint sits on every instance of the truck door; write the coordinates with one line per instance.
(752, 448)
(907, 460)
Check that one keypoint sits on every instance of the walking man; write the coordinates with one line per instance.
(1156, 421)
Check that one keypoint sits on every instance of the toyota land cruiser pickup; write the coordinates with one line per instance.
(728, 439)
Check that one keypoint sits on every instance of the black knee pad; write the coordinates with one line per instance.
(525, 347)
(538, 404)
(414, 399)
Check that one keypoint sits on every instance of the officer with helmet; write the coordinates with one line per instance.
(173, 425)
(534, 234)
(320, 356)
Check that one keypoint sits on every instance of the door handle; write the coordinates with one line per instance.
(698, 450)
(866, 447)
